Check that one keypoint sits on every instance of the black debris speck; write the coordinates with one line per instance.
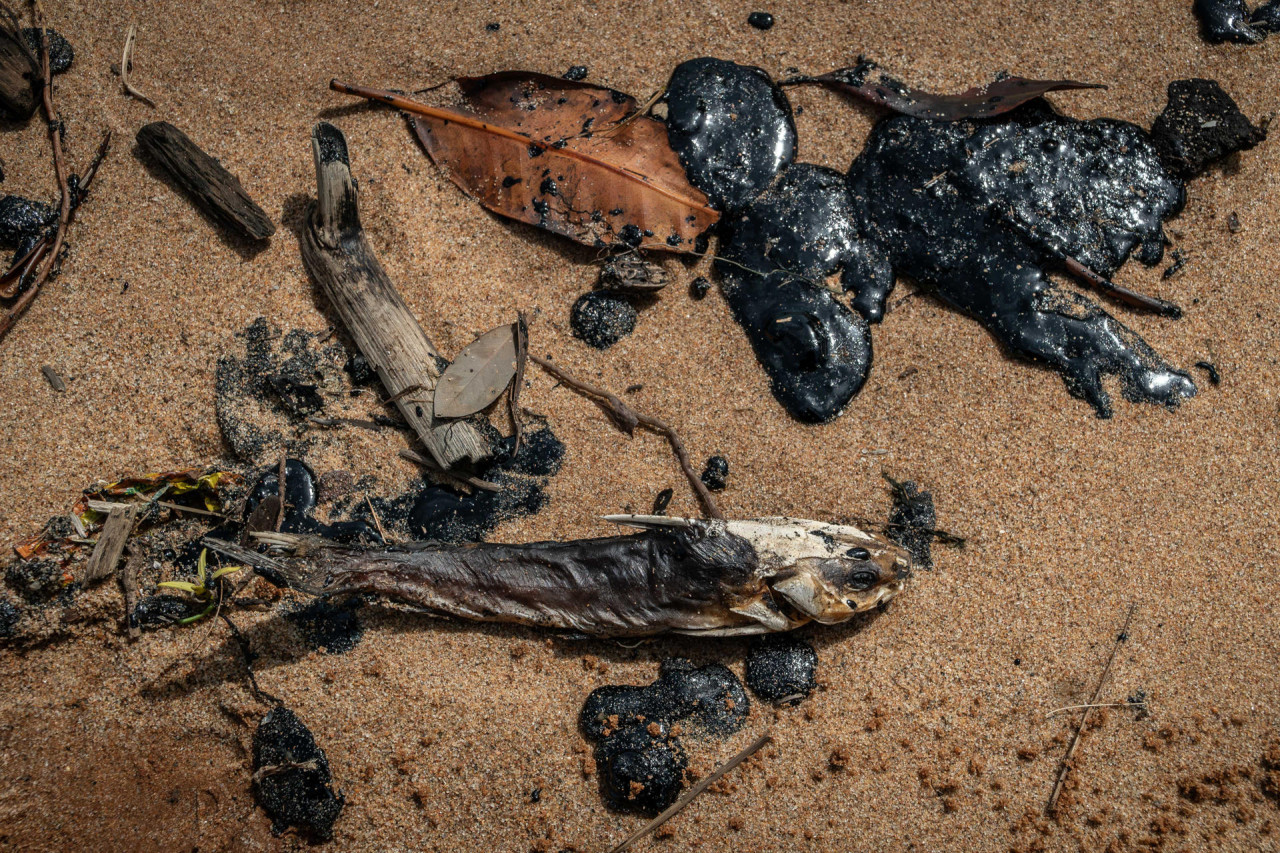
(782, 668)
(600, 319)
(715, 472)
(161, 611)
(760, 20)
(1215, 378)
(661, 501)
(575, 73)
(699, 287)
(291, 776)
(493, 26)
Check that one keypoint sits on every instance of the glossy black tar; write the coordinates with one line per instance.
(978, 210)
(912, 522)
(61, 54)
(293, 784)
(1226, 20)
(1266, 18)
(731, 127)
(782, 668)
(300, 504)
(331, 627)
(715, 472)
(774, 257)
(601, 319)
(760, 20)
(22, 223)
(618, 719)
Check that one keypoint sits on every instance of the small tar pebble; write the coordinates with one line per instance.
(715, 472)
(781, 668)
(9, 617)
(760, 20)
(493, 27)
(661, 501)
(600, 320)
(323, 625)
(291, 776)
(577, 72)
(1233, 223)
(640, 772)
(699, 287)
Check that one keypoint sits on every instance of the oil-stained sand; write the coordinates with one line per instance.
(929, 728)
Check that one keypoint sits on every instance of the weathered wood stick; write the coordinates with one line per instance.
(341, 260)
(214, 190)
(106, 554)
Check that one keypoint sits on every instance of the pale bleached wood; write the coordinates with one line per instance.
(106, 554)
(342, 262)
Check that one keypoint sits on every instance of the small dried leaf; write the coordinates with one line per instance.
(479, 374)
(532, 147)
(867, 82)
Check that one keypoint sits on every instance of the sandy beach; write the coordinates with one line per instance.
(931, 729)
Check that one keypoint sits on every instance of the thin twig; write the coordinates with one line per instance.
(611, 129)
(246, 654)
(126, 66)
(513, 397)
(377, 522)
(702, 785)
(430, 464)
(628, 419)
(281, 478)
(191, 509)
(1163, 307)
(1064, 767)
(1057, 711)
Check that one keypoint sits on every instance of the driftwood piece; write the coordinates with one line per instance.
(341, 260)
(106, 554)
(214, 190)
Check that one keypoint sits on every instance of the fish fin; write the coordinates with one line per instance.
(651, 522)
(769, 618)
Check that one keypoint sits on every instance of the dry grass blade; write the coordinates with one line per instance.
(479, 374)
(1064, 767)
(126, 67)
(529, 157)
(693, 792)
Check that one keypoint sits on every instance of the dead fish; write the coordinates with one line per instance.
(679, 575)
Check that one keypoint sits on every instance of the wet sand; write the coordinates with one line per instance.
(438, 732)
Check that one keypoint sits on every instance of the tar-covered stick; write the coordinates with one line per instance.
(628, 419)
(1065, 766)
(521, 330)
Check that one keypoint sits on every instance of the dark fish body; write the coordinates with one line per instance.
(676, 576)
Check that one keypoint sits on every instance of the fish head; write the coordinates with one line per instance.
(827, 573)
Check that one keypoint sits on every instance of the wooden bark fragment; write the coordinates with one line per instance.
(342, 262)
(129, 581)
(214, 190)
(106, 554)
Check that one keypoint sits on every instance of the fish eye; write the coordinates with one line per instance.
(858, 553)
(862, 580)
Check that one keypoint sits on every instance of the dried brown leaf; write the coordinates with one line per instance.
(867, 82)
(479, 375)
(527, 146)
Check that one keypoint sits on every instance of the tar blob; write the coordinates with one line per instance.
(1226, 20)
(699, 287)
(1266, 18)
(731, 126)
(715, 472)
(291, 776)
(23, 223)
(640, 763)
(601, 319)
(773, 257)
(1200, 125)
(575, 73)
(300, 503)
(10, 615)
(912, 522)
(329, 627)
(781, 668)
(760, 20)
(976, 210)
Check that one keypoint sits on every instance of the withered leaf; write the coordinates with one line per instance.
(530, 147)
(479, 375)
(866, 81)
